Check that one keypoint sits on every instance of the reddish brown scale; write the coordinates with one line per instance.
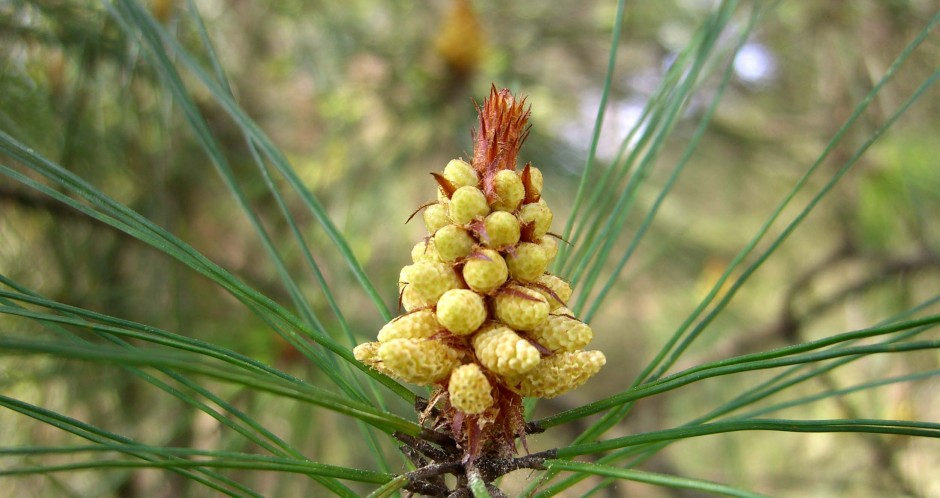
(536, 285)
(479, 255)
(503, 128)
(518, 423)
(459, 343)
(456, 422)
(478, 227)
(513, 292)
(530, 194)
(527, 232)
(509, 424)
(474, 439)
(448, 187)
(492, 433)
(542, 349)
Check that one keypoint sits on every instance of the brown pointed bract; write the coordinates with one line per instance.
(503, 127)
(445, 184)
(531, 195)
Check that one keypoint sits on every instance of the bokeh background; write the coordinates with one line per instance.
(367, 97)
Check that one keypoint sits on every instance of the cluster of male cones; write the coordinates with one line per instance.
(484, 321)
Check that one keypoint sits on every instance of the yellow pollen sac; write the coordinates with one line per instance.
(461, 311)
(521, 308)
(467, 204)
(461, 174)
(469, 389)
(436, 217)
(418, 361)
(425, 251)
(509, 190)
(485, 272)
(502, 229)
(418, 325)
(550, 245)
(562, 333)
(539, 215)
(561, 373)
(410, 299)
(502, 351)
(557, 286)
(527, 262)
(429, 280)
(367, 353)
(453, 242)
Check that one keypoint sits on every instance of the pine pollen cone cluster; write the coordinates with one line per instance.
(483, 319)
